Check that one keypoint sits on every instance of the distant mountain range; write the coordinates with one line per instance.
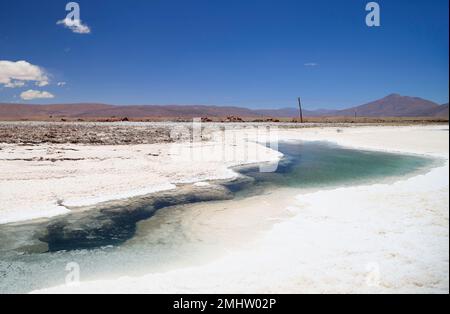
(393, 105)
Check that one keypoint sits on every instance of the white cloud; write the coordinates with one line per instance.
(61, 84)
(35, 94)
(311, 64)
(75, 25)
(16, 74)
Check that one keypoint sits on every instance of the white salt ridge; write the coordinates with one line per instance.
(49, 211)
(31, 190)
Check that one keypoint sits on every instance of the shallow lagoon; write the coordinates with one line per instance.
(171, 238)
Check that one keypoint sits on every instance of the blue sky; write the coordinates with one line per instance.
(248, 53)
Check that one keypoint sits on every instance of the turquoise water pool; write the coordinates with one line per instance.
(99, 240)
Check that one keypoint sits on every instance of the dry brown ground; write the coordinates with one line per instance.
(135, 132)
(402, 120)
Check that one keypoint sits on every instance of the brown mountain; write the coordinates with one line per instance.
(391, 106)
(89, 110)
(394, 105)
(86, 110)
(185, 111)
(23, 111)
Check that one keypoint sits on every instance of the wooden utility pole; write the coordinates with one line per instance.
(300, 110)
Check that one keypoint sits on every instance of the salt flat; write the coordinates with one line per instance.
(381, 238)
(45, 179)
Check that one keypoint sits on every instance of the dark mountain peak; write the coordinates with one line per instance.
(398, 97)
(393, 95)
(394, 105)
